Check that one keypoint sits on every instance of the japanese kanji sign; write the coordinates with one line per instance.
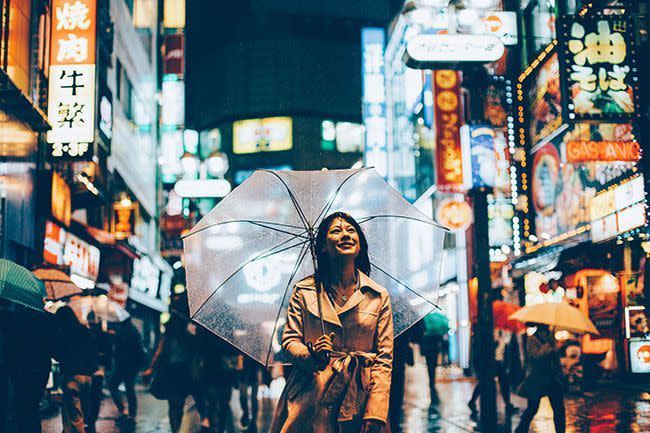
(599, 66)
(448, 117)
(71, 103)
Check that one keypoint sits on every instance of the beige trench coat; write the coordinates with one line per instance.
(323, 401)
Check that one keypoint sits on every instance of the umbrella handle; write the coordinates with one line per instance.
(319, 286)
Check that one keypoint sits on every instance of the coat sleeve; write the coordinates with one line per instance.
(293, 335)
(380, 372)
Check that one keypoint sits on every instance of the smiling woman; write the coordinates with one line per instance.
(339, 335)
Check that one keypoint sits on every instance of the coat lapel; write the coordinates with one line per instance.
(329, 313)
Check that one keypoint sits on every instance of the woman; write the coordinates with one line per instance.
(170, 368)
(341, 380)
(77, 355)
(544, 377)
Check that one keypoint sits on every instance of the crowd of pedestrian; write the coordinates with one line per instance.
(189, 364)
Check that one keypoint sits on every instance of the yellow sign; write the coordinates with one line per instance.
(262, 135)
(454, 214)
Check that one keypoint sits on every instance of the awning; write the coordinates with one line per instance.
(566, 258)
(14, 101)
(105, 239)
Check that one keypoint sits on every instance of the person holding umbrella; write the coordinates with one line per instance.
(544, 377)
(339, 336)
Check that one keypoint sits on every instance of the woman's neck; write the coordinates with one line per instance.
(343, 274)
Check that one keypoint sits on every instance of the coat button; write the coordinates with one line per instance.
(330, 408)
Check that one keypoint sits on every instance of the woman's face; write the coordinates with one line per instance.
(342, 239)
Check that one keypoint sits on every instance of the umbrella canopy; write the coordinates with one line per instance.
(19, 285)
(502, 311)
(57, 283)
(245, 255)
(557, 314)
(102, 307)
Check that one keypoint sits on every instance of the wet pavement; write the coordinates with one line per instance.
(616, 409)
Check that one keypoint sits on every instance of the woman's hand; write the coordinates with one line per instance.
(371, 426)
(323, 345)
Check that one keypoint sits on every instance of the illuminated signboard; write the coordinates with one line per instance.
(262, 135)
(454, 214)
(448, 119)
(601, 73)
(544, 100)
(63, 248)
(640, 356)
(618, 210)
(71, 103)
(426, 51)
(374, 99)
(61, 199)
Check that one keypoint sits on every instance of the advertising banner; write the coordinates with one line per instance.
(599, 59)
(544, 100)
(563, 186)
(448, 119)
(71, 96)
(604, 306)
(262, 135)
(173, 55)
(63, 248)
(374, 99)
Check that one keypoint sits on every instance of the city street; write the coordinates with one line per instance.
(615, 410)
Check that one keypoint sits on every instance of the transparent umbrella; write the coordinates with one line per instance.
(245, 255)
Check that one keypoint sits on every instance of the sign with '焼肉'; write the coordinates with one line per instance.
(71, 103)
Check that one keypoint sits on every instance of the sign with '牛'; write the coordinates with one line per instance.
(71, 101)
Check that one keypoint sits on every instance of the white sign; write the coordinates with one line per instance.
(500, 24)
(604, 228)
(629, 193)
(631, 218)
(640, 356)
(71, 105)
(202, 188)
(146, 276)
(173, 103)
(82, 257)
(426, 50)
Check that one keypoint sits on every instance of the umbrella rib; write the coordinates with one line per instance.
(329, 204)
(301, 214)
(260, 223)
(272, 253)
(244, 265)
(430, 222)
(402, 284)
(301, 257)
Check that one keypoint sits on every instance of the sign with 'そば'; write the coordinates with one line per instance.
(599, 66)
(71, 100)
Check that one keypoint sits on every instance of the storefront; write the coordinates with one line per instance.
(584, 216)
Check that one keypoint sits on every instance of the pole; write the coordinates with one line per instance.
(485, 329)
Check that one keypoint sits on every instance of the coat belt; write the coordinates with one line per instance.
(349, 386)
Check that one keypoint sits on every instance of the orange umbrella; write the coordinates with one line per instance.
(501, 311)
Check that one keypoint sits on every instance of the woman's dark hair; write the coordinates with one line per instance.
(362, 261)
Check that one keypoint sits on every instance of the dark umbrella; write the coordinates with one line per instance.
(19, 285)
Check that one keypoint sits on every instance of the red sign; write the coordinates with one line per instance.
(63, 248)
(173, 57)
(448, 116)
(602, 151)
(73, 32)
(118, 293)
